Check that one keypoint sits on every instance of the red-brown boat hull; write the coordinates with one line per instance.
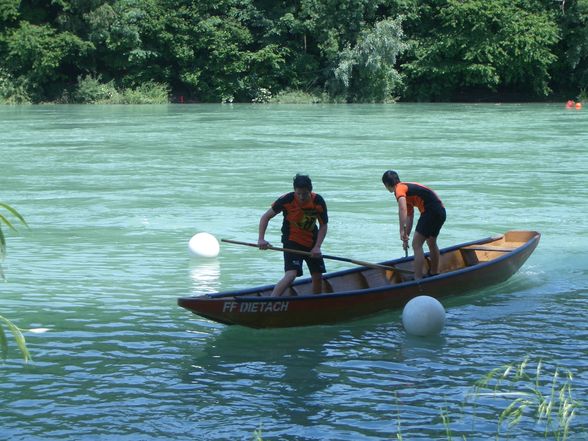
(246, 309)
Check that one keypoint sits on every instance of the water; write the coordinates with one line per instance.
(114, 193)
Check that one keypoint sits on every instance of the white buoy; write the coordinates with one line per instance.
(423, 316)
(203, 245)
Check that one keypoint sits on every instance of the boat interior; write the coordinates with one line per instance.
(452, 259)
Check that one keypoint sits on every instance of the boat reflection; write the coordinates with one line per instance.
(255, 374)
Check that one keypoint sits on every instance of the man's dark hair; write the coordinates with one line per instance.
(302, 181)
(390, 178)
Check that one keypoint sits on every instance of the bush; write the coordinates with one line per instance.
(298, 97)
(91, 91)
(262, 95)
(147, 93)
(12, 91)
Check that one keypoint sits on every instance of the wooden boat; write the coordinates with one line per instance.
(362, 291)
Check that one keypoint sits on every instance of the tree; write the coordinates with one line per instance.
(8, 11)
(367, 70)
(321, 37)
(471, 45)
(42, 57)
(571, 70)
(117, 32)
(232, 49)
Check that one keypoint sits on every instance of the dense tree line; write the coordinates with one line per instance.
(249, 50)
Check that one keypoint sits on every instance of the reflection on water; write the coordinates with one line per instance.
(205, 275)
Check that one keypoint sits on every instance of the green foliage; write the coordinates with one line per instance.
(233, 50)
(91, 90)
(220, 78)
(572, 66)
(4, 219)
(146, 93)
(18, 337)
(298, 97)
(263, 95)
(41, 55)
(16, 332)
(546, 397)
(367, 70)
(117, 32)
(314, 34)
(482, 44)
(8, 10)
(13, 91)
(531, 397)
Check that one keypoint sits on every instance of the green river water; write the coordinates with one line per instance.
(112, 195)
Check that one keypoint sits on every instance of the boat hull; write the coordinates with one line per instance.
(247, 308)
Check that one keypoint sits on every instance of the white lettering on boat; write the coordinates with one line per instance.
(229, 306)
(255, 306)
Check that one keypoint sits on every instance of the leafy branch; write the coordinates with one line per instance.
(18, 337)
(4, 220)
(16, 332)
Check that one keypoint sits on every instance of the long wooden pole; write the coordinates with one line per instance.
(324, 256)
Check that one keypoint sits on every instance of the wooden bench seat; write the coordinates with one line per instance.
(488, 248)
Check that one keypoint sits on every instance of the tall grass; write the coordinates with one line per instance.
(531, 395)
(532, 400)
(257, 435)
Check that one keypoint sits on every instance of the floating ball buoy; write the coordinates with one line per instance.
(203, 245)
(570, 104)
(423, 316)
(578, 106)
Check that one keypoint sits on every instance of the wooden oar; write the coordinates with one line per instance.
(324, 256)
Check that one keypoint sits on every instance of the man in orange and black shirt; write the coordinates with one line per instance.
(432, 217)
(302, 209)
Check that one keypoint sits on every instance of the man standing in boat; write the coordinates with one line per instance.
(302, 209)
(432, 216)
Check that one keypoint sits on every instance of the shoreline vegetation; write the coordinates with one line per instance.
(93, 92)
(316, 51)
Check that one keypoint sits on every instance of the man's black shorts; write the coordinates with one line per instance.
(294, 261)
(431, 221)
